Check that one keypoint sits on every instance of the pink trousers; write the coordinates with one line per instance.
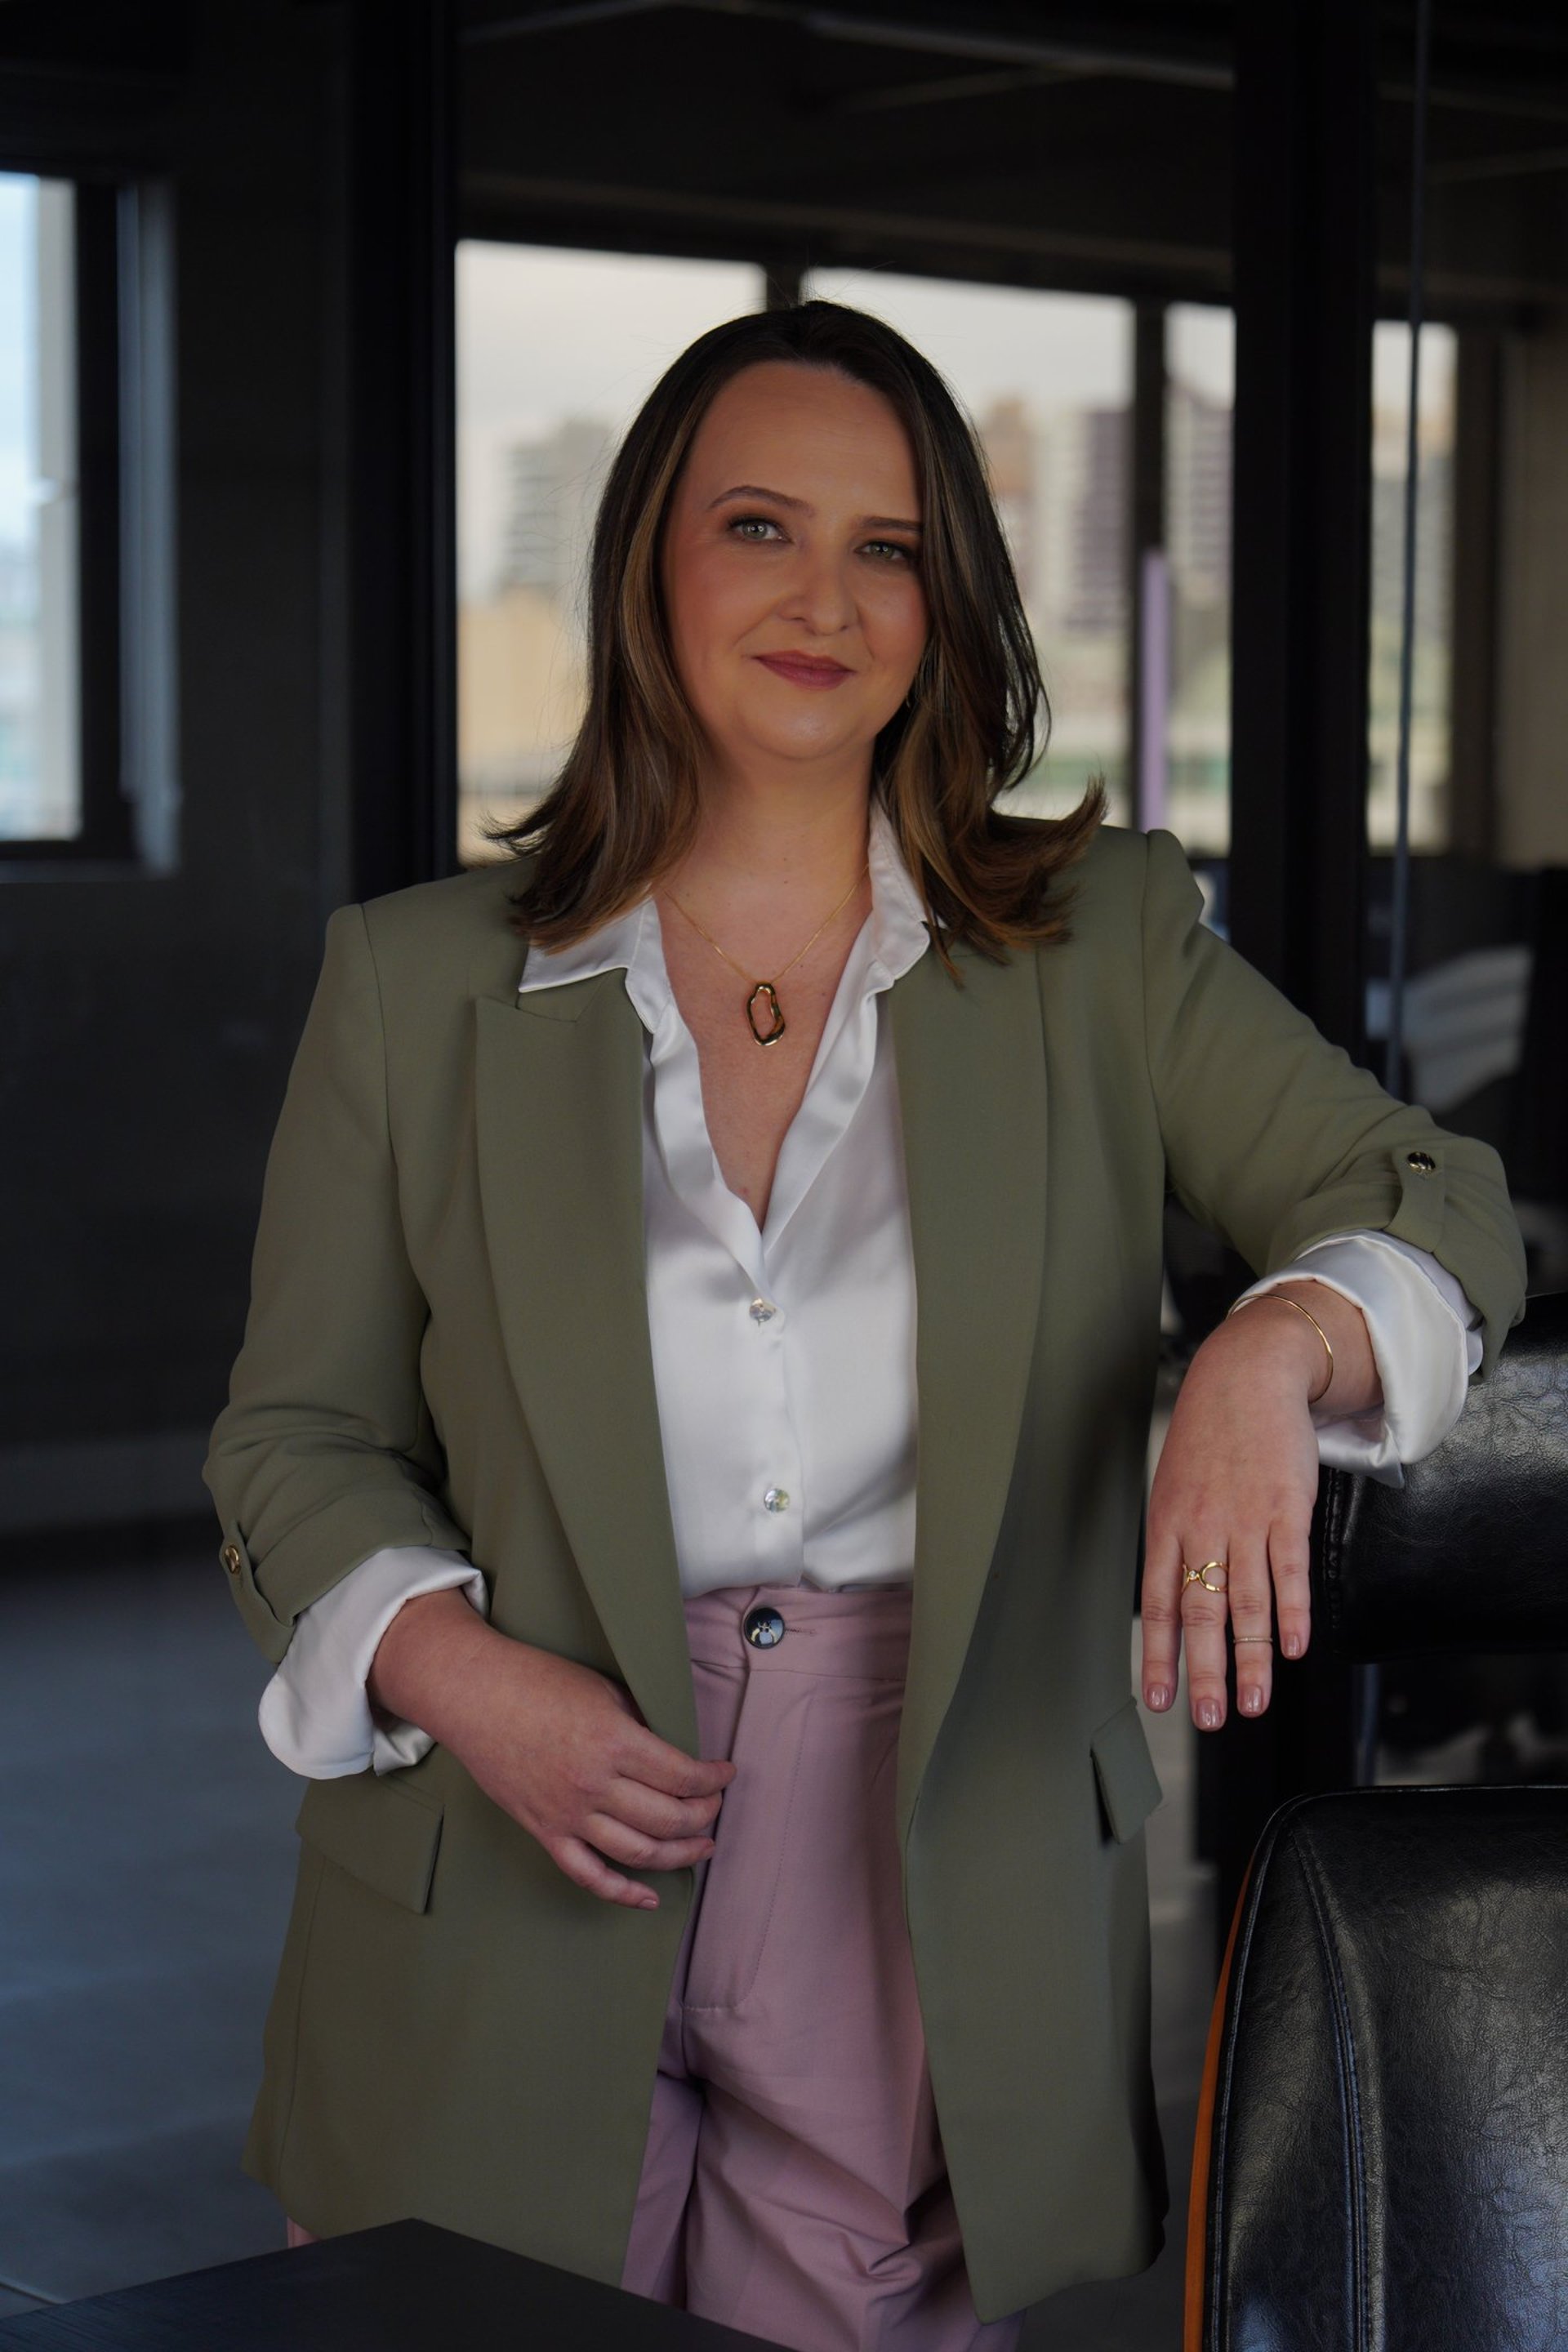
(794, 2183)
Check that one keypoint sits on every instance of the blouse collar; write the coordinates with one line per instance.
(631, 940)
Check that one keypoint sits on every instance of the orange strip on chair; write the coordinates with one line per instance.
(1197, 2199)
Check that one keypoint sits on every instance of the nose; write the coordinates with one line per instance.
(820, 594)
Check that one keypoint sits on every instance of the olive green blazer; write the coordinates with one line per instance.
(449, 1344)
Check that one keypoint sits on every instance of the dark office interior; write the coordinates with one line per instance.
(247, 388)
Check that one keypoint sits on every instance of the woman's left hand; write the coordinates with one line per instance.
(1233, 1495)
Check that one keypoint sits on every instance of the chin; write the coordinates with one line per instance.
(816, 748)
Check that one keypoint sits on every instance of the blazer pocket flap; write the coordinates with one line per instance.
(379, 1833)
(1129, 1785)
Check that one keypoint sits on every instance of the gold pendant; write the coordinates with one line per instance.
(769, 1037)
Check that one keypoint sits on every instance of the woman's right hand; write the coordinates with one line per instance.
(557, 1746)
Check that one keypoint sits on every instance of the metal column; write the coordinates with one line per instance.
(1305, 232)
(399, 401)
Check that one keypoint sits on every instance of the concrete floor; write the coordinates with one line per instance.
(144, 1874)
(145, 1868)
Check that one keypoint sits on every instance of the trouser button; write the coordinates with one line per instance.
(762, 1627)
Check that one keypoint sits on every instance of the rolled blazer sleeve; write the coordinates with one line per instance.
(325, 1452)
(1274, 1139)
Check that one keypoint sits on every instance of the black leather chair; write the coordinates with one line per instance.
(1382, 2154)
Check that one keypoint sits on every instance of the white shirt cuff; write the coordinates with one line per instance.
(315, 1713)
(1426, 1338)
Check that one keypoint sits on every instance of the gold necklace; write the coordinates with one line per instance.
(769, 988)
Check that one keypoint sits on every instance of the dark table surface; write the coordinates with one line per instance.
(408, 2287)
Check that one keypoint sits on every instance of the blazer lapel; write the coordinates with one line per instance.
(972, 1083)
(559, 1111)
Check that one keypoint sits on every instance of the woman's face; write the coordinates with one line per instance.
(794, 529)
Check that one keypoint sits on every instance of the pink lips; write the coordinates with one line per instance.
(802, 670)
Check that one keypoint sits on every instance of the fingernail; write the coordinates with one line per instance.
(1208, 1715)
(1159, 1696)
(1252, 1702)
(1291, 1646)
(650, 1903)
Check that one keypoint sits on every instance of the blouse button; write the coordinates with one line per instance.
(762, 1312)
(1422, 1161)
(775, 1499)
(231, 1558)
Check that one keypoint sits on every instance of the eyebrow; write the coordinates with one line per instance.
(755, 490)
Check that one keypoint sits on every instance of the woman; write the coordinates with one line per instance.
(746, 1899)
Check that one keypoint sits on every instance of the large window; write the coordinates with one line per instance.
(40, 732)
(556, 351)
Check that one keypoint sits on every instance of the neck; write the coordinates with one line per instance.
(798, 849)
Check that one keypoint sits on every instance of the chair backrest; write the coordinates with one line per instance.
(1471, 1553)
(1382, 2159)
(1382, 2154)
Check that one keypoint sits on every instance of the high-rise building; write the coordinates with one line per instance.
(1197, 503)
(553, 487)
(1080, 522)
(1007, 436)
(1100, 583)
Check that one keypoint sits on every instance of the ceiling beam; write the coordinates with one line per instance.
(772, 218)
(959, 39)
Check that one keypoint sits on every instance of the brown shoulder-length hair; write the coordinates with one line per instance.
(623, 808)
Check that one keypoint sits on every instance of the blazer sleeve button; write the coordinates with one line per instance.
(230, 1559)
(1422, 1161)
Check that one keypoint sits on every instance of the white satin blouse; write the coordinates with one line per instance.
(785, 1357)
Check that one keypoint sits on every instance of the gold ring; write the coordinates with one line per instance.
(1201, 1575)
(1237, 1638)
